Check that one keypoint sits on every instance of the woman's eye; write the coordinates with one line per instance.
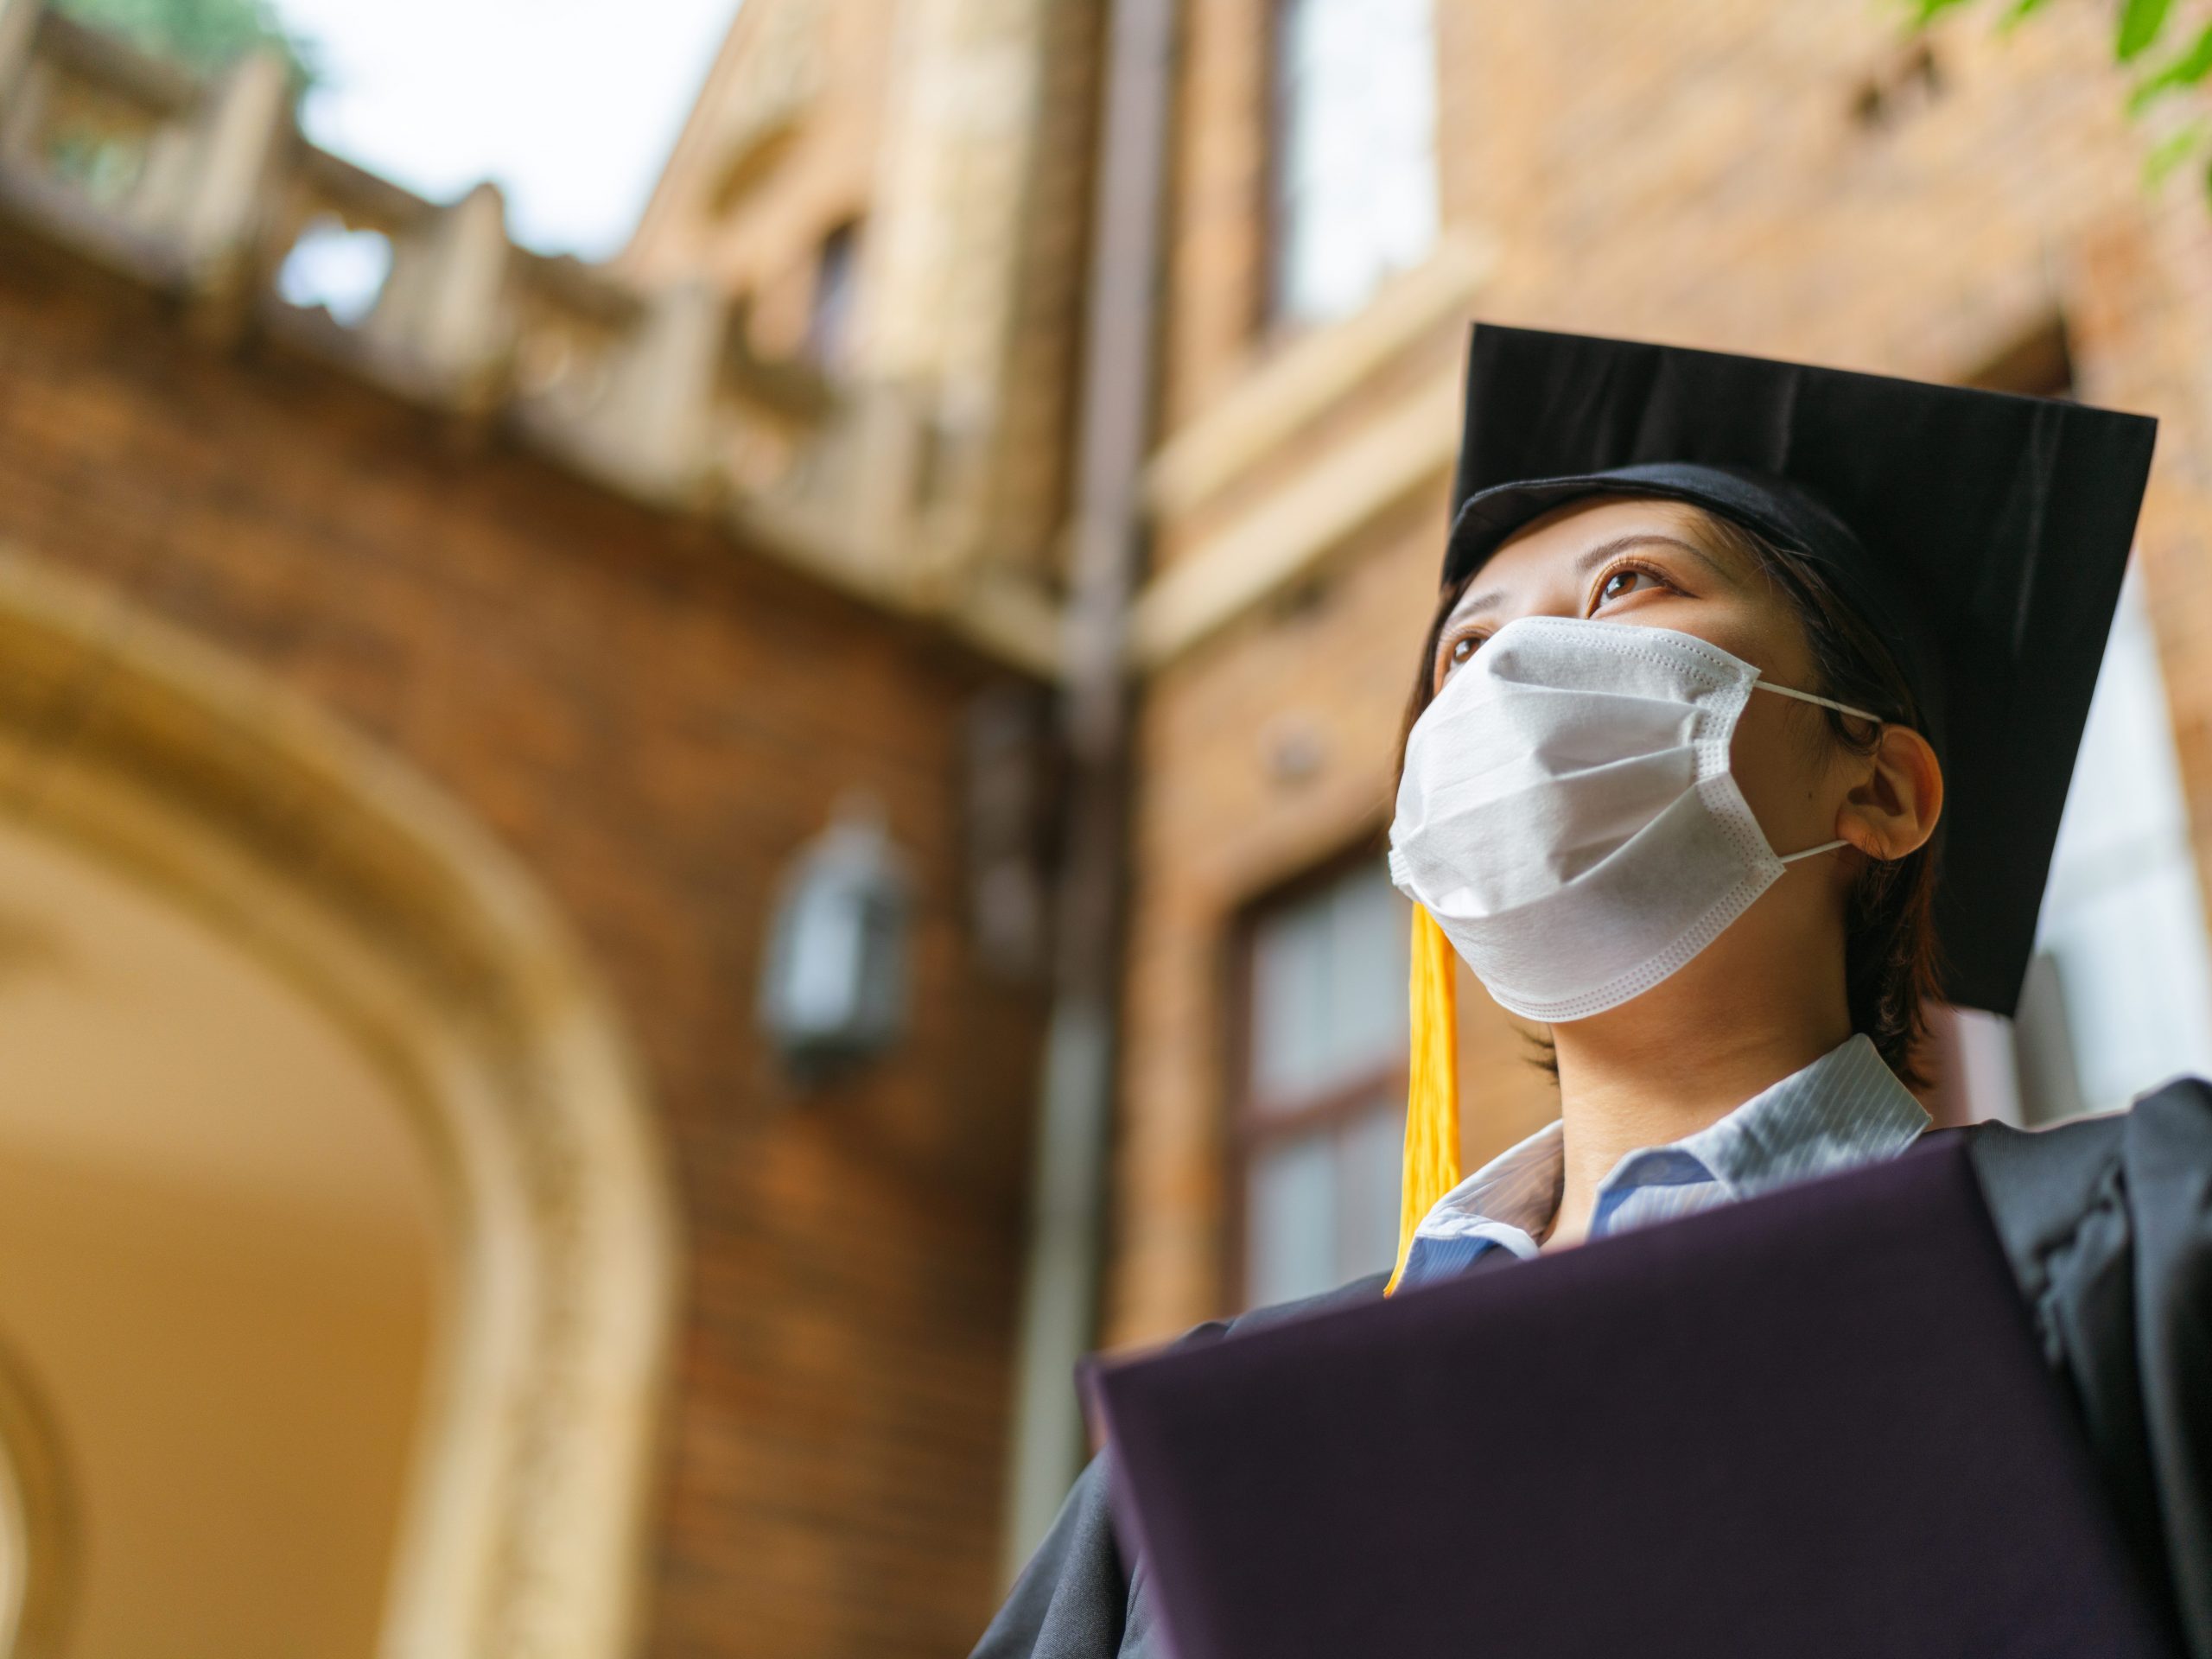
(1461, 649)
(1621, 583)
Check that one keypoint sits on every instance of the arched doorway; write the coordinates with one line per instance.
(334, 1236)
(219, 1246)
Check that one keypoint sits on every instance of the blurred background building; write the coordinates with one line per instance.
(532, 794)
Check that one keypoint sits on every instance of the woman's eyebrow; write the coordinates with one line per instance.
(1588, 561)
(1597, 556)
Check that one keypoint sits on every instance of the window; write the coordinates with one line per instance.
(1322, 1120)
(2118, 994)
(1355, 168)
(836, 273)
(2119, 997)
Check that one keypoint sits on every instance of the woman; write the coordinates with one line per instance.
(1731, 910)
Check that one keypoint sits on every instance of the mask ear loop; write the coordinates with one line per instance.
(1810, 852)
(1825, 703)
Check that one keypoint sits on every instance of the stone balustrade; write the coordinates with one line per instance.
(204, 187)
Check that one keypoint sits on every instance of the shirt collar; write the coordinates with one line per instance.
(1847, 1108)
(1518, 1192)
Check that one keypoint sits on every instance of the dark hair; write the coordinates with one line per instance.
(1892, 967)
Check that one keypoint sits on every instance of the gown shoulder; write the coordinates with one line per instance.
(1076, 1598)
(2106, 1222)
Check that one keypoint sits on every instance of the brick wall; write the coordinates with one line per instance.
(1698, 172)
(652, 722)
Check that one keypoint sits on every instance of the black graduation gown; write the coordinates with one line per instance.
(2107, 1222)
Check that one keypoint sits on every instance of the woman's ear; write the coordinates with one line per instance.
(1892, 810)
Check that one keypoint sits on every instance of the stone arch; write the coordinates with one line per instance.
(336, 864)
(38, 1544)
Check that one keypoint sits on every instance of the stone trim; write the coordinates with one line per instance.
(1312, 377)
(523, 1528)
(1278, 543)
(38, 1530)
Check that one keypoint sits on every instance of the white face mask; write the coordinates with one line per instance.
(1567, 815)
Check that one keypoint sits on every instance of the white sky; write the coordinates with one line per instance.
(570, 105)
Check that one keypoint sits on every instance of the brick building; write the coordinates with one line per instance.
(418, 701)
(413, 705)
(1782, 180)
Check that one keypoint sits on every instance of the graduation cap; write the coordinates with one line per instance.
(1981, 534)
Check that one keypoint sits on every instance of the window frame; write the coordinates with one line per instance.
(1273, 320)
(833, 293)
(1251, 1126)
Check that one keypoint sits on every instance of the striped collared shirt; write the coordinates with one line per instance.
(1845, 1109)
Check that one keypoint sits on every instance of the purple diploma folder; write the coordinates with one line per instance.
(1811, 1424)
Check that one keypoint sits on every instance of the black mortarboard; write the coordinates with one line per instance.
(1981, 533)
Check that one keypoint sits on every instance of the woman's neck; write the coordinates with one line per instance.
(1685, 1054)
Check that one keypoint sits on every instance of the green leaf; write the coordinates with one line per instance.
(2187, 70)
(203, 35)
(2172, 151)
(2139, 23)
(2017, 12)
(1925, 12)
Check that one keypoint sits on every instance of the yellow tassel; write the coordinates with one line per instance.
(1431, 1085)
